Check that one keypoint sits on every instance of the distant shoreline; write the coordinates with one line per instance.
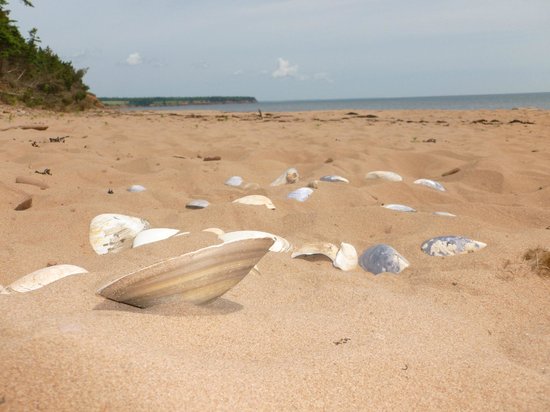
(174, 101)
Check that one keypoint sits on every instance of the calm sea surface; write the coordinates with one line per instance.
(472, 102)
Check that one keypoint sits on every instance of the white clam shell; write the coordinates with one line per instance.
(234, 181)
(196, 277)
(280, 245)
(136, 188)
(319, 248)
(218, 232)
(44, 276)
(334, 179)
(155, 235)
(256, 200)
(346, 258)
(111, 232)
(197, 204)
(301, 194)
(444, 214)
(288, 177)
(385, 175)
(399, 208)
(382, 258)
(451, 245)
(430, 183)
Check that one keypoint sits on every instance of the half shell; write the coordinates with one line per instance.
(256, 200)
(444, 214)
(320, 248)
(136, 188)
(399, 208)
(334, 179)
(280, 245)
(154, 235)
(451, 245)
(235, 181)
(385, 175)
(112, 232)
(301, 194)
(197, 204)
(346, 258)
(44, 276)
(289, 176)
(196, 277)
(382, 258)
(430, 183)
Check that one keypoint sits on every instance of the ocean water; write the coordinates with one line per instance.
(470, 102)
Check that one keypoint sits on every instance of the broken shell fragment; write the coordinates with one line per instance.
(385, 175)
(382, 258)
(43, 277)
(136, 189)
(280, 245)
(155, 235)
(235, 181)
(288, 177)
(197, 204)
(346, 258)
(430, 183)
(196, 277)
(256, 200)
(450, 246)
(320, 248)
(301, 194)
(444, 214)
(399, 208)
(112, 232)
(334, 179)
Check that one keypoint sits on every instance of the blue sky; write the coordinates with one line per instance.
(299, 49)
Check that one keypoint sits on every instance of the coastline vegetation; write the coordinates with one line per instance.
(173, 101)
(35, 76)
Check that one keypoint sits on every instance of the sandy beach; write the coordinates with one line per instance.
(465, 332)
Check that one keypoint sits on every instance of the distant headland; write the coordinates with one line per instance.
(173, 101)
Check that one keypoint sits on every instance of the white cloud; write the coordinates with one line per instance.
(284, 69)
(134, 59)
(322, 76)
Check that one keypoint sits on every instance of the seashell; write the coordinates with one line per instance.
(234, 181)
(320, 248)
(301, 194)
(451, 245)
(314, 184)
(382, 258)
(136, 188)
(430, 183)
(399, 208)
(154, 235)
(196, 277)
(197, 204)
(444, 214)
(112, 232)
(346, 258)
(215, 230)
(382, 174)
(44, 276)
(280, 245)
(334, 179)
(256, 200)
(289, 176)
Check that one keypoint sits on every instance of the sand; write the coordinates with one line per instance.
(468, 332)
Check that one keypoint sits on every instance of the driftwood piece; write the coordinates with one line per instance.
(26, 126)
(31, 181)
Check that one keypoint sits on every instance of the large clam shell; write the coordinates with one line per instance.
(430, 183)
(334, 179)
(155, 235)
(346, 258)
(301, 194)
(451, 245)
(385, 175)
(382, 258)
(318, 248)
(288, 177)
(43, 277)
(280, 245)
(196, 277)
(111, 232)
(256, 200)
(399, 208)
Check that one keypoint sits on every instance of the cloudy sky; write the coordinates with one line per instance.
(299, 49)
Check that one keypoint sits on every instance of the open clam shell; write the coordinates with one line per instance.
(346, 258)
(235, 181)
(430, 183)
(196, 277)
(155, 235)
(111, 232)
(385, 175)
(334, 179)
(382, 258)
(280, 245)
(399, 208)
(256, 200)
(43, 277)
(288, 177)
(301, 194)
(319, 248)
(451, 245)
